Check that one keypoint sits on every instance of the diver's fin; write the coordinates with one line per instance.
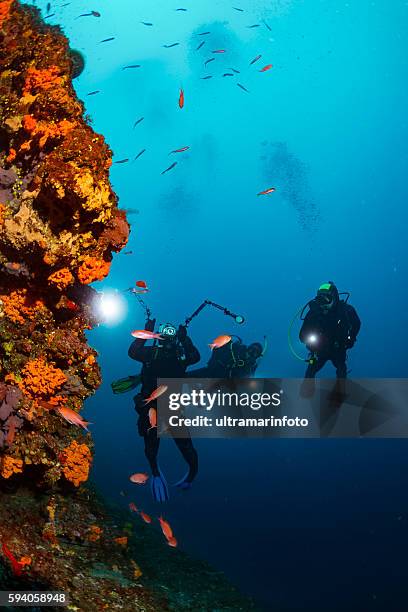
(159, 488)
(183, 483)
(123, 385)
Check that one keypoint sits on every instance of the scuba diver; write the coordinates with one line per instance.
(329, 329)
(167, 358)
(233, 360)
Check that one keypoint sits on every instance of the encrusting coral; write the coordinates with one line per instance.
(59, 224)
(76, 459)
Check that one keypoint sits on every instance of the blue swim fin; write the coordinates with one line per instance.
(184, 483)
(159, 488)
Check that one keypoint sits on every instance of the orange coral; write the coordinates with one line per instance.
(44, 130)
(25, 561)
(11, 156)
(77, 462)
(19, 307)
(94, 533)
(10, 466)
(44, 79)
(41, 378)
(3, 209)
(5, 6)
(93, 269)
(61, 278)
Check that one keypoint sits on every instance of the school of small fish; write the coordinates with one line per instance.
(228, 75)
(164, 524)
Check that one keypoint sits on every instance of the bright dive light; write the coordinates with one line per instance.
(111, 307)
(312, 339)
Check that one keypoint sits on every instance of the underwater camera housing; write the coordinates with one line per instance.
(167, 330)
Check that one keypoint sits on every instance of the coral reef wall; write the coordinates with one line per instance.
(59, 224)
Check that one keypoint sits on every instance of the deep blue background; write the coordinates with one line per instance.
(301, 525)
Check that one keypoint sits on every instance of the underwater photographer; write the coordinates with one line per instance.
(329, 330)
(169, 357)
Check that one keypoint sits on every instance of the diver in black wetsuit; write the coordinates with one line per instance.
(329, 329)
(233, 360)
(167, 359)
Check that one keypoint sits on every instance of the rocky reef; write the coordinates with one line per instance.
(59, 227)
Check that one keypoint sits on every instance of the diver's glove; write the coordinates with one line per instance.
(159, 488)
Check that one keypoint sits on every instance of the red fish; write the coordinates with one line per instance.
(15, 565)
(265, 68)
(181, 98)
(144, 334)
(166, 529)
(72, 417)
(219, 51)
(71, 305)
(152, 418)
(141, 283)
(267, 191)
(145, 517)
(181, 150)
(139, 478)
(219, 342)
(172, 542)
(156, 393)
(132, 507)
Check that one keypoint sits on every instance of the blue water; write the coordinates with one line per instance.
(300, 525)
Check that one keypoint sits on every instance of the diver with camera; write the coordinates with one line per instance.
(167, 358)
(329, 330)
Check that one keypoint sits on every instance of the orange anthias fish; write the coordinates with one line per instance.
(220, 341)
(144, 334)
(267, 191)
(266, 68)
(139, 478)
(166, 529)
(145, 517)
(132, 507)
(172, 542)
(152, 418)
(181, 98)
(219, 51)
(141, 283)
(72, 417)
(156, 393)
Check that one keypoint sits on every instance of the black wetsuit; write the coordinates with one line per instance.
(336, 331)
(167, 361)
(229, 361)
